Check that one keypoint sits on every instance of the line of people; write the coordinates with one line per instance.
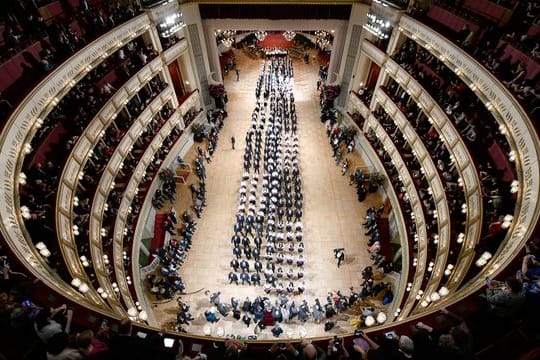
(270, 205)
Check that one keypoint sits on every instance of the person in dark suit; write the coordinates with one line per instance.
(235, 264)
(233, 278)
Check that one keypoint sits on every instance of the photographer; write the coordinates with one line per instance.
(393, 347)
(336, 349)
(363, 344)
(304, 351)
(48, 322)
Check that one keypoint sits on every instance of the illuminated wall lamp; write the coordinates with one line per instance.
(27, 148)
(443, 291)
(84, 288)
(369, 321)
(381, 318)
(409, 287)
(25, 212)
(39, 123)
(514, 186)
(76, 282)
(483, 259)
(132, 313)
(143, 316)
(507, 221)
(22, 178)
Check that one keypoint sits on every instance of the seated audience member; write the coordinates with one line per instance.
(58, 348)
(530, 267)
(305, 350)
(456, 343)
(90, 346)
(46, 327)
(336, 349)
(505, 298)
(394, 348)
(234, 349)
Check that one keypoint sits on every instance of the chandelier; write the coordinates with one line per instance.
(289, 35)
(170, 25)
(229, 33)
(227, 42)
(377, 26)
(226, 37)
(321, 34)
(324, 39)
(260, 35)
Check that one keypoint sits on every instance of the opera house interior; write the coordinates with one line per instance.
(222, 179)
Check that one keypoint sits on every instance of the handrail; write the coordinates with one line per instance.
(21, 127)
(400, 220)
(127, 199)
(432, 177)
(145, 210)
(464, 165)
(103, 190)
(78, 158)
(414, 201)
(521, 135)
(174, 51)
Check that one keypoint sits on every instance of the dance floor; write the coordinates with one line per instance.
(332, 215)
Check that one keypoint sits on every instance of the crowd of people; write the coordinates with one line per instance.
(37, 193)
(55, 335)
(58, 39)
(264, 312)
(489, 44)
(25, 24)
(477, 126)
(166, 282)
(269, 215)
(268, 226)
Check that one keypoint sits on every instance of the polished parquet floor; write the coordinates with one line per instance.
(332, 214)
